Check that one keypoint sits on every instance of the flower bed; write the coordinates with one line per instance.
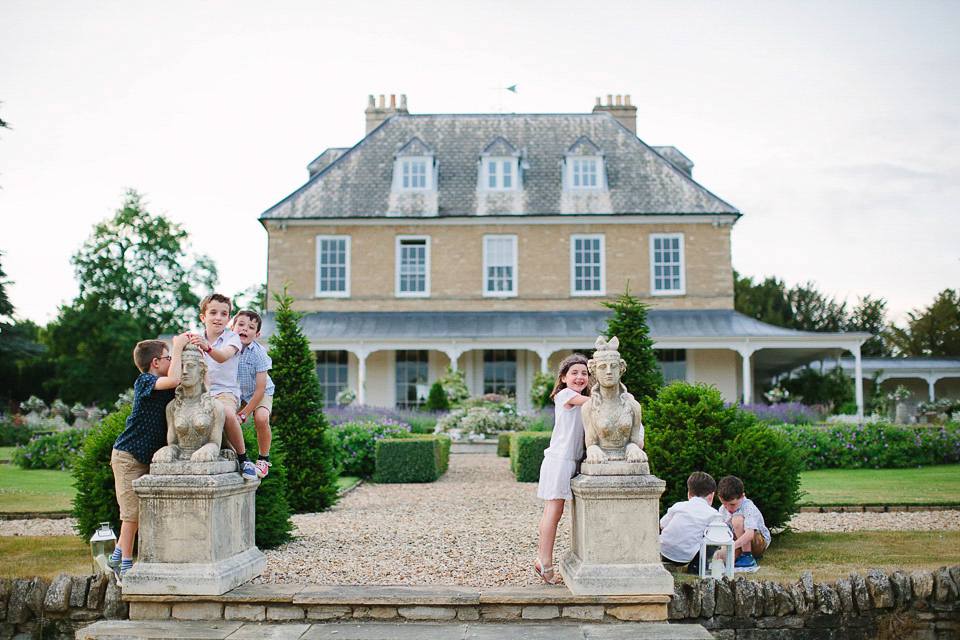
(874, 446)
(357, 441)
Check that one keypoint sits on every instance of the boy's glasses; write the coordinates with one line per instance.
(165, 358)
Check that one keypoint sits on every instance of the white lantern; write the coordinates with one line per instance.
(717, 534)
(102, 545)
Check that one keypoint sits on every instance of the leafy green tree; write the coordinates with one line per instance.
(138, 263)
(766, 302)
(301, 429)
(935, 331)
(870, 315)
(18, 344)
(91, 347)
(814, 311)
(643, 377)
(253, 297)
(830, 389)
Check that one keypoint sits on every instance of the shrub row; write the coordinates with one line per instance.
(418, 458)
(526, 454)
(356, 441)
(14, 431)
(874, 446)
(51, 450)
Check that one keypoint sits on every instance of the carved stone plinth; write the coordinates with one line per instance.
(614, 542)
(196, 531)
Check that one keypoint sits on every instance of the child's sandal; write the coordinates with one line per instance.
(543, 571)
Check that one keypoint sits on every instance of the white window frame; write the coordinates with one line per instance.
(332, 294)
(682, 285)
(401, 171)
(488, 262)
(400, 243)
(500, 163)
(602, 291)
(571, 174)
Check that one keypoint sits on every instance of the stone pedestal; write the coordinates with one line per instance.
(196, 531)
(614, 542)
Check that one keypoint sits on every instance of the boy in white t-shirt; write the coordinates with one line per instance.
(682, 527)
(220, 346)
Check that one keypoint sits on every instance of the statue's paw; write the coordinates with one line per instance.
(207, 453)
(168, 453)
(635, 453)
(595, 454)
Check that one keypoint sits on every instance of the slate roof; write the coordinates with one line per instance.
(357, 183)
(480, 325)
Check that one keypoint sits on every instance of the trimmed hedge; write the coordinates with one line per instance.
(420, 458)
(526, 454)
(503, 445)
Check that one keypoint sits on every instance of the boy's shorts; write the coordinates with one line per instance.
(228, 400)
(759, 544)
(266, 403)
(126, 469)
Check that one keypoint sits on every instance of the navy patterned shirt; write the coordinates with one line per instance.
(146, 428)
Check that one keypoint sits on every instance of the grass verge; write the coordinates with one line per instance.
(45, 556)
(928, 485)
(833, 555)
(345, 482)
(6, 454)
(37, 490)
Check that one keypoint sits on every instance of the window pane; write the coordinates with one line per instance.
(500, 372)
(499, 260)
(413, 265)
(333, 252)
(332, 374)
(412, 369)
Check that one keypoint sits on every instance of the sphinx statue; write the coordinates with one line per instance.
(194, 418)
(613, 430)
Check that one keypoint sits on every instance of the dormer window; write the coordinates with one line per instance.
(500, 167)
(415, 168)
(583, 167)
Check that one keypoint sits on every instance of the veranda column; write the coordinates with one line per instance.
(858, 373)
(746, 353)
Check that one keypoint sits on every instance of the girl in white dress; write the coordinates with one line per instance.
(561, 457)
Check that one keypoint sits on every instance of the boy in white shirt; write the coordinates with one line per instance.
(682, 528)
(220, 346)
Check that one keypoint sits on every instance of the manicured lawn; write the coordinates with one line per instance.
(46, 556)
(6, 454)
(37, 490)
(928, 485)
(829, 556)
(345, 482)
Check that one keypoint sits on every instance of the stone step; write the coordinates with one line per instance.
(184, 630)
(293, 603)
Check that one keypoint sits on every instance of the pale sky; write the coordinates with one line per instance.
(834, 127)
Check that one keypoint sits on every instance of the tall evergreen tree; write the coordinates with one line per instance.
(643, 377)
(935, 331)
(297, 419)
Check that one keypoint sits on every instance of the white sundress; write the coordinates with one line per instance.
(565, 450)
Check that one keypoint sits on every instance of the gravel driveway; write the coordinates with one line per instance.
(476, 526)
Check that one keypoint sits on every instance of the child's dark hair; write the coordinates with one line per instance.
(730, 488)
(569, 361)
(253, 315)
(146, 351)
(701, 484)
(215, 297)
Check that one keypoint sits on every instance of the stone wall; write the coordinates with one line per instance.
(923, 605)
(34, 608)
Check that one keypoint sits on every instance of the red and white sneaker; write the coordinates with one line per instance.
(263, 468)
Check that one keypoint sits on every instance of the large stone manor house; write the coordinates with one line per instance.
(487, 242)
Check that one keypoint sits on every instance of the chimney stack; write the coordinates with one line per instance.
(377, 115)
(622, 110)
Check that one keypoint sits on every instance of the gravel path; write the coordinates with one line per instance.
(476, 526)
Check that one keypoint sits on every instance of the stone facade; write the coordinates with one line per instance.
(543, 269)
(923, 605)
(34, 608)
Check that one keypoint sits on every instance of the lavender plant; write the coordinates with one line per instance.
(356, 442)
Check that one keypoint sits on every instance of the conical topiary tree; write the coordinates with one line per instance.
(298, 422)
(643, 377)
